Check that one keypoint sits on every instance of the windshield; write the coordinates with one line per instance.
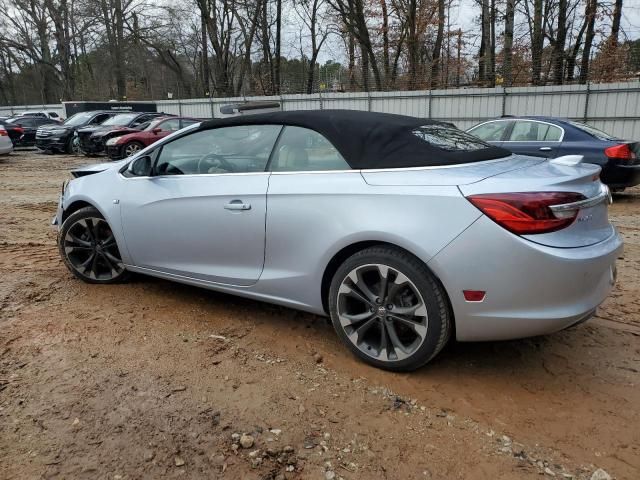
(121, 119)
(79, 119)
(594, 132)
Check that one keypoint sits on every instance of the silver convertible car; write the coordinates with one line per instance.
(404, 231)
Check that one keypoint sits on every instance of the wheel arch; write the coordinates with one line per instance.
(344, 253)
(74, 207)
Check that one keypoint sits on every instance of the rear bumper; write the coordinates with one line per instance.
(617, 174)
(531, 289)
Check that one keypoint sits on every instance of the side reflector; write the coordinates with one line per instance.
(474, 295)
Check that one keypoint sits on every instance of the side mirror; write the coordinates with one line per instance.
(156, 131)
(141, 167)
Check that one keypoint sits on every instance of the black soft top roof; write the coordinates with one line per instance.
(369, 139)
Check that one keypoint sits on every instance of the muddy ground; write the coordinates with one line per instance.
(152, 379)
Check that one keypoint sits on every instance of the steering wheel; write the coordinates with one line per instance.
(213, 160)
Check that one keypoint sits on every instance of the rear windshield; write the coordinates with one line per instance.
(594, 132)
(449, 138)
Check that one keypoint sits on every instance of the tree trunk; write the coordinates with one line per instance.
(507, 61)
(615, 26)
(119, 72)
(385, 42)
(537, 42)
(558, 48)
(590, 17)
(352, 63)
(492, 46)
(205, 55)
(278, 32)
(485, 43)
(437, 47)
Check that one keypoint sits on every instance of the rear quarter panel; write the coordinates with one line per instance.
(313, 216)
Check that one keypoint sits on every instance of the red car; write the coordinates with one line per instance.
(131, 143)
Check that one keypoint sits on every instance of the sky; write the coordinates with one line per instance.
(463, 14)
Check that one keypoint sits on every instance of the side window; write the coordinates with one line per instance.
(301, 149)
(240, 149)
(490, 131)
(53, 114)
(170, 125)
(524, 131)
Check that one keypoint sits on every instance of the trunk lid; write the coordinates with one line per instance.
(463, 174)
(591, 225)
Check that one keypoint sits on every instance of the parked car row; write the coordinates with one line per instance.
(554, 137)
(97, 132)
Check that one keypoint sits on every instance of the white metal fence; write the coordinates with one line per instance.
(614, 107)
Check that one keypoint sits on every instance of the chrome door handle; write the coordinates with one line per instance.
(237, 205)
(545, 149)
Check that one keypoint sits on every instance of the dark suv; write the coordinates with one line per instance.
(92, 139)
(63, 138)
(30, 125)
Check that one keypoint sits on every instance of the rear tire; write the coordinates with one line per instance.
(389, 309)
(89, 249)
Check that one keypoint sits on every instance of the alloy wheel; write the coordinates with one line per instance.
(75, 146)
(382, 312)
(91, 249)
(131, 149)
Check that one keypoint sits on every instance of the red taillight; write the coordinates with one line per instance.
(19, 129)
(527, 213)
(3, 132)
(620, 152)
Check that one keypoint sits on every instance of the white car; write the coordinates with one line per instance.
(6, 146)
(41, 113)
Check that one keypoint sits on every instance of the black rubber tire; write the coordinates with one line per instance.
(85, 212)
(438, 312)
(69, 147)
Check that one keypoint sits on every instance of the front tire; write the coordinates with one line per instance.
(131, 148)
(73, 146)
(389, 309)
(89, 249)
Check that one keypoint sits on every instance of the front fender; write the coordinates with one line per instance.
(101, 191)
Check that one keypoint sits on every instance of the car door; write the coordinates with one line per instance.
(201, 213)
(493, 132)
(533, 137)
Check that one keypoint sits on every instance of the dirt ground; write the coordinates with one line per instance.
(153, 379)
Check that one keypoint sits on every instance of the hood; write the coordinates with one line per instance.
(97, 168)
(116, 132)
